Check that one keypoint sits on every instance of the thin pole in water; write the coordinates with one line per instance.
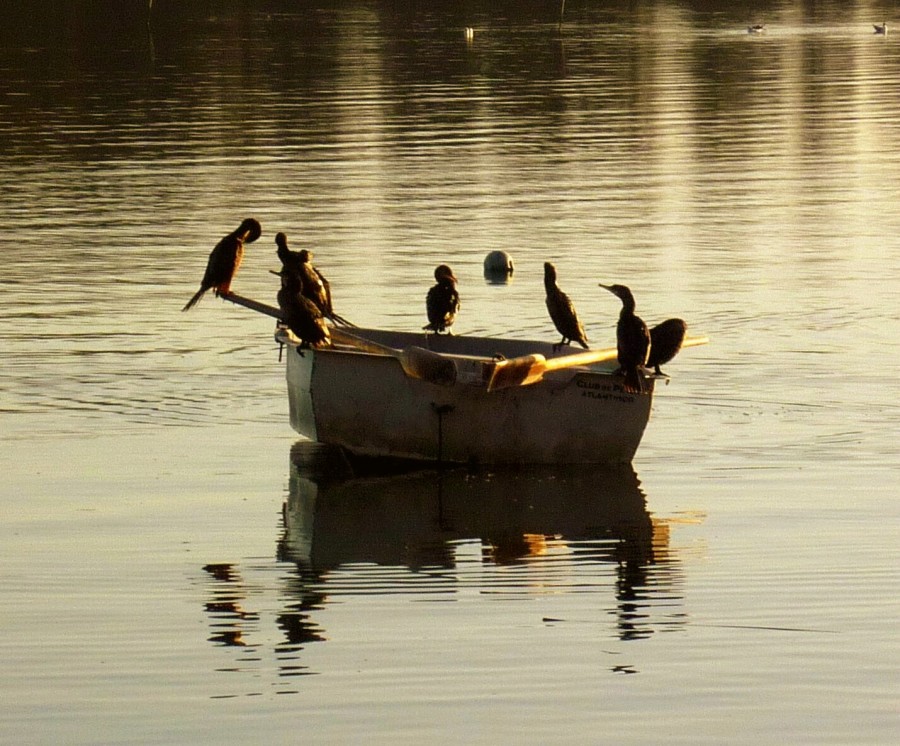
(562, 10)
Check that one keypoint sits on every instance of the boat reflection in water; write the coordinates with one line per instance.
(351, 531)
(559, 523)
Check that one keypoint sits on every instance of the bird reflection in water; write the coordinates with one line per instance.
(233, 626)
(228, 618)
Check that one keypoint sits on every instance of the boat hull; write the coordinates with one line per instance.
(367, 404)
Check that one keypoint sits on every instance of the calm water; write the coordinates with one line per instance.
(178, 568)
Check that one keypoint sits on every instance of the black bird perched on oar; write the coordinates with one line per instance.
(442, 301)
(225, 259)
(300, 314)
(562, 311)
(315, 286)
(666, 339)
(632, 340)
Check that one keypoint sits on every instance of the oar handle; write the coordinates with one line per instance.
(529, 369)
(253, 305)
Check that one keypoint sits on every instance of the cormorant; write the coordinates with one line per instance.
(225, 259)
(442, 301)
(562, 311)
(665, 342)
(315, 286)
(632, 340)
(300, 314)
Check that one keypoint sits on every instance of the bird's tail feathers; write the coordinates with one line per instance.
(193, 301)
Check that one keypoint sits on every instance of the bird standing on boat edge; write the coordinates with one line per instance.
(225, 259)
(632, 340)
(314, 285)
(666, 339)
(300, 314)
(442, 301)
(562, 311)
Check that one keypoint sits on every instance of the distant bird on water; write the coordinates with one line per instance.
(315, 286)
(225, 259)
(300, 314)
(442, 301)
(562, 311)
(632, 340)
(666, 339)
(757, 28)
(882, 29)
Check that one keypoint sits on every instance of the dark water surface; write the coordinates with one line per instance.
(178, 568)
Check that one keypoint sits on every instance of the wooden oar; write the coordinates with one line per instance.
(417, 362)
(529, 369)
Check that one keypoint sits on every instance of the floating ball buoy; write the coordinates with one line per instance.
(498, 267)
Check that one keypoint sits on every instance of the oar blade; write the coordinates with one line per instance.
(425, 365)
(520, 371)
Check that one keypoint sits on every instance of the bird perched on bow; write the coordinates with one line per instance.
(632, 340)
(300, 314)
(442, 301)
(225, 259)
(315, 286)
(666, 339)
(562, 311)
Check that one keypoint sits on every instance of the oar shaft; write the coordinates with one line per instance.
(416, 362)
(253, 305)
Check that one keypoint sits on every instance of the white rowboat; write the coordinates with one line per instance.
(461, 399)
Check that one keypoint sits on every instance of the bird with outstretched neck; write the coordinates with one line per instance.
(666, 339)
(632, 340)
(562, 311)
(442, 301)
(314, 285)
(225, 259)
(300, 314)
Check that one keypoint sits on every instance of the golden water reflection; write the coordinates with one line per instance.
(351, 531)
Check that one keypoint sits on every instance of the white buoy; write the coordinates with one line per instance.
(498, 267)
(470, 33)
